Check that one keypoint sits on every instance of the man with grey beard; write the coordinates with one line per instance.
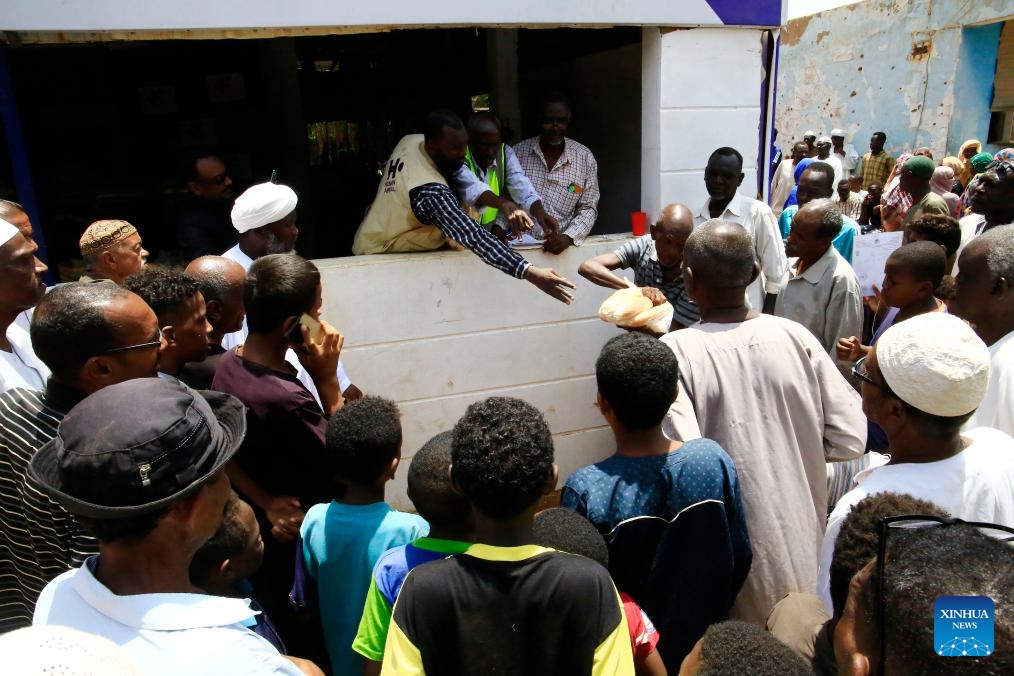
(265, 217)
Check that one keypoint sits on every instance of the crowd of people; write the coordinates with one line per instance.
(800, 472)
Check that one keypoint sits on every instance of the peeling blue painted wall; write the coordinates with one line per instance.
(890, 66)
(973, 84)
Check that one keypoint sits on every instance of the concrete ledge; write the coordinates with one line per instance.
(438, 331)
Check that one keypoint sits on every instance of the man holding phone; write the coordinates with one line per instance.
(265, 217)
(280, 468)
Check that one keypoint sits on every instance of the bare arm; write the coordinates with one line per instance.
(649, 665)
(598, 270)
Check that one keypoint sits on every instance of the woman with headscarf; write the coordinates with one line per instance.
(943, 179)
(896, 202)
(957, 167)
(969, 149)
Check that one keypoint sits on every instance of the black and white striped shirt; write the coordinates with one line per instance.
(435, 204)
(38, 538)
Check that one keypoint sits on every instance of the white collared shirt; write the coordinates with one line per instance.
(977, 484)
(759, 221)
(20, 367)
(170, 634)
(470, 187)
(825, 298)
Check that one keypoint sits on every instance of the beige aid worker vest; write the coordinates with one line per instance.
(389, 225)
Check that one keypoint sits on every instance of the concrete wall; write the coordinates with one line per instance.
(438, 331)
(701, 91)
(888, 65)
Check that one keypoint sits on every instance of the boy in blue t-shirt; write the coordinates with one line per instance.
(341, 541)
(686, 562)
(450, 517)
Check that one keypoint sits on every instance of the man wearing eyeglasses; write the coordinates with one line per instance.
(922, 380)
(203, 226)
(90, 336)
(564, 173)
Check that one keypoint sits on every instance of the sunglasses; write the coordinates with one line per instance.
(859, 371)
(891, 523)
(139, 346)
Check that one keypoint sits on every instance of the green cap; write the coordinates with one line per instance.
(981, 161)
(920, 166)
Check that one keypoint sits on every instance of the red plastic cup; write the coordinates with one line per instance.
(638, 223)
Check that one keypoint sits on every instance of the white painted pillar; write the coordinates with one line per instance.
(701, 90)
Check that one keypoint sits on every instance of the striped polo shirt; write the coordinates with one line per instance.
(640, 255)
(39, 540)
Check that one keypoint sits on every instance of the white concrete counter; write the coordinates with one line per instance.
(438, 331)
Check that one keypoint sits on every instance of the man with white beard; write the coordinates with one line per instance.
(265, 217)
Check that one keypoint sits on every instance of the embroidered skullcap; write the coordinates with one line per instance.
(920, 166)
(56, 650)
(262, 204)
(101, 235)
(935, 363)
(7, 231)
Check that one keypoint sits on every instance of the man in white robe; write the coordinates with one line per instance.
(765, 390)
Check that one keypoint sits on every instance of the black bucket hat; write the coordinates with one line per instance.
(138, 446)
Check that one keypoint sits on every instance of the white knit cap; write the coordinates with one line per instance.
(54, 650)
(824, 139)
(838, 132)
(809, 132)
(935, 363)
(7, 231)
(262, 204)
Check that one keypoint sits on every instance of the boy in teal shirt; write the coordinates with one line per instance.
(341, 541)
(450, 517)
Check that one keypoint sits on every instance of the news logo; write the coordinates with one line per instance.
(963, 626)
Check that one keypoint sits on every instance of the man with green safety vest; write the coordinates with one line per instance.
(492, 182)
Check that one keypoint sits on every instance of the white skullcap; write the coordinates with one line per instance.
(838, 132)
(809, 132)
(935, 363)
(261, 205)
(53, 649)
(824, 139)
(7, 231)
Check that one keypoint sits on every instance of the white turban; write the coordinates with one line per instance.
(261, 205)
(935, 363)
(7, 231)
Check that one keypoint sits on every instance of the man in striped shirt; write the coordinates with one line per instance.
(90, 336)
(565, 174)
(657, 259)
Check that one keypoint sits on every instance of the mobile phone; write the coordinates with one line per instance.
(295, 334)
